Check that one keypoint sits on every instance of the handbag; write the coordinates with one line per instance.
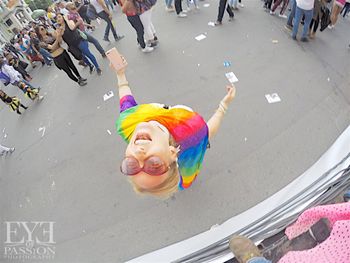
(326, 18)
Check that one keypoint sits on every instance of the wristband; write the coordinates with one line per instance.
(125, 84)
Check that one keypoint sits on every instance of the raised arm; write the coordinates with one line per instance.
(123, 85)
(215, 121)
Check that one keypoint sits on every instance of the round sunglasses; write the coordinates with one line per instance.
(153, 166)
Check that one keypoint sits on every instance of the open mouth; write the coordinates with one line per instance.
(142, 138)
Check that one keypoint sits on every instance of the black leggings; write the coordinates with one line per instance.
(65, 63)
(137, 25)
(315, 22)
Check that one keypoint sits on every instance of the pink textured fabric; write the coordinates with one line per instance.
(336, 249)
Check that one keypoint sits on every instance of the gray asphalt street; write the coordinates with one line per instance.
(66, 165)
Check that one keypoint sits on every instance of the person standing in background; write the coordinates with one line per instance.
(103, 12)
(303, 8)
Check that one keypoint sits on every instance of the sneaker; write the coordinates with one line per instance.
(82, 79)
(331, 26)
(152, 44)
(230, 19)
(288, 27)
(92, 68)
(243, 249)
(182, 15)
(106, 39)
(82, 83)
(40, 97)
(147, 49)
(272, 12)
(197, 7)
(294, 37)
(99, 72)
(82, 63)
(218, 23)
(170, 9)
(304, 39)
(104, 55)
(12, 150)
(120, 37)
(282, 16)
(241, 5)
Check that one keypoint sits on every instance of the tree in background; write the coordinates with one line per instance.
(38, 4)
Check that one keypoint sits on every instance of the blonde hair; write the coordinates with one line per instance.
(166, 189)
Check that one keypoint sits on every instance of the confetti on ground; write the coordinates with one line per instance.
(43, 129)
(231, 77)
(227, 64)
(206, 5)
(198, 65)
(328, 79)
(275, 41)
(245, 139)
(272, 98)
(211, 23)
(98, 107)
(200, 37)
(108, 95)
(109, 132)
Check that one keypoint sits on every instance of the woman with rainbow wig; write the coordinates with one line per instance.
(166, 145)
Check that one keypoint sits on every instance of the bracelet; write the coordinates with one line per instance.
(221, 110)
(125, 84)
(223, 105)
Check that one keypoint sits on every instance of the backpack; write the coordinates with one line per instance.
(91, 12)
(326, 18)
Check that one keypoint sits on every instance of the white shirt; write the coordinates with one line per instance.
(97, 6)
(305, 4)
(64, 11)
(13, 74)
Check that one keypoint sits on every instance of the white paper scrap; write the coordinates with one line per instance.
(211, 23)
(231, 77)
(272, 98)
(206, 5)
(109, 132)
(43, 129)
(108, 95)
(200, 37)
(275, 41)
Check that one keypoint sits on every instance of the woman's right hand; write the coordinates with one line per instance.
(231, 92)
(120, 72)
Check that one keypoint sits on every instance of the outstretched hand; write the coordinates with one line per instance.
(121, 71)
(231, 92)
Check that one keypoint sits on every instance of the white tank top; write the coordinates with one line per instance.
(97, 6)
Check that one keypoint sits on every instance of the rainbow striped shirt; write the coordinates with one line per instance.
(188, 128)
